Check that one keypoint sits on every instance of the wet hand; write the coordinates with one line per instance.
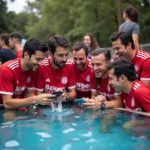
(91, 104)
(100, 98)
(44, 99)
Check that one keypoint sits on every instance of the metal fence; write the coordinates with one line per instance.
(145, 47)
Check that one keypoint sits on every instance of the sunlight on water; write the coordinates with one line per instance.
(68, 130)
(66, 147)
(87, 135)
(43, 134)
(11, 144)
(72, 129)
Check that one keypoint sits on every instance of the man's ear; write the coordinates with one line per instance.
(123, 78)
(26, 54)
(50, 53)
(129, 46)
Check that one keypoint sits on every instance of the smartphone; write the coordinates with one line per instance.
(80, 101)
(57, 93)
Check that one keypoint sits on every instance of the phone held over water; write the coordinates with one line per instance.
(57, 93)
(80, 101)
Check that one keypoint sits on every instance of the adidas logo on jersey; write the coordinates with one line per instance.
(48, 80)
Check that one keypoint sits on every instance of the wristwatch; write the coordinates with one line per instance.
(102, 105)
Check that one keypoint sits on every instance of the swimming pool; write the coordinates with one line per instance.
(73, 129)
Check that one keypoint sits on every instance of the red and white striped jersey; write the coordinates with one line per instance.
(141, 63)
(49, 79)
(82, 79)
(138, 98)
(103, 87)
(13, 80)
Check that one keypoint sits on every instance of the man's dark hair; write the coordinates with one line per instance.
(33, 45)
(57, 41)
(102, 51)
(17, 36)
(5, 38)
(125, 38)
(80, 45)
(123, 67)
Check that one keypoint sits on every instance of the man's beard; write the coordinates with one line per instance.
(82, 66)
(58, 64)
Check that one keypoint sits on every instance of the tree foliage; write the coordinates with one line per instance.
(45, 18)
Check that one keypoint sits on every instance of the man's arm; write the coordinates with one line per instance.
(71, 95)
(93, 94)
(117, 102)
(136, 41)
(11, 103)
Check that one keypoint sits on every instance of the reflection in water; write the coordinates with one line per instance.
(107, 121)
(73, 128)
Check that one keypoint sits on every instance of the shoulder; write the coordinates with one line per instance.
(143, 55)
(140, 88)
(69, 62)
(11, 65)
(46, 62)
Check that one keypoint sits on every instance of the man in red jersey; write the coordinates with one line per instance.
(15, 39)
(18, 75)
(123, 46)
(136, 94)
(102, 92)
(82, 69)
(56, 72)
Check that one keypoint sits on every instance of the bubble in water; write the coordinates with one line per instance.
(87, 135)
(12, 143)
(91, 140)
(68, 130)
(43, 134)
(66, 147)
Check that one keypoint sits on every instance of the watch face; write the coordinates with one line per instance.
(102, 106)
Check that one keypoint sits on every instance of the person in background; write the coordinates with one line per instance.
(103, 94)
(90, 42)
(56, 73)
(5, 52)
(123, 47)
(135, 94)
(82, 69)
(131, 25)
(15, 39)
(18, 76)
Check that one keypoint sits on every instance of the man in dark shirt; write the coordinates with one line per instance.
(5, 53)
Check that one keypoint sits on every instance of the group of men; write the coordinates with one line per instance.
(33, 79)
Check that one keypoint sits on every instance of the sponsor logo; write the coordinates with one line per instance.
(64, 80)
(49, 88)
(19, 90)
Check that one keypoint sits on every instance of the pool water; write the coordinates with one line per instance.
(73, 129)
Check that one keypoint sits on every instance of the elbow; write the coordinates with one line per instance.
(8, 106)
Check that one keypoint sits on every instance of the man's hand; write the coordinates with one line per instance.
(100, 98)
(91, 103)
(44, 99)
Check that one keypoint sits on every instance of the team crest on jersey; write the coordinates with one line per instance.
(136, 67)
(132, 102)
(108, 88)
(29, 79)
(88, 78)
(64, 80)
